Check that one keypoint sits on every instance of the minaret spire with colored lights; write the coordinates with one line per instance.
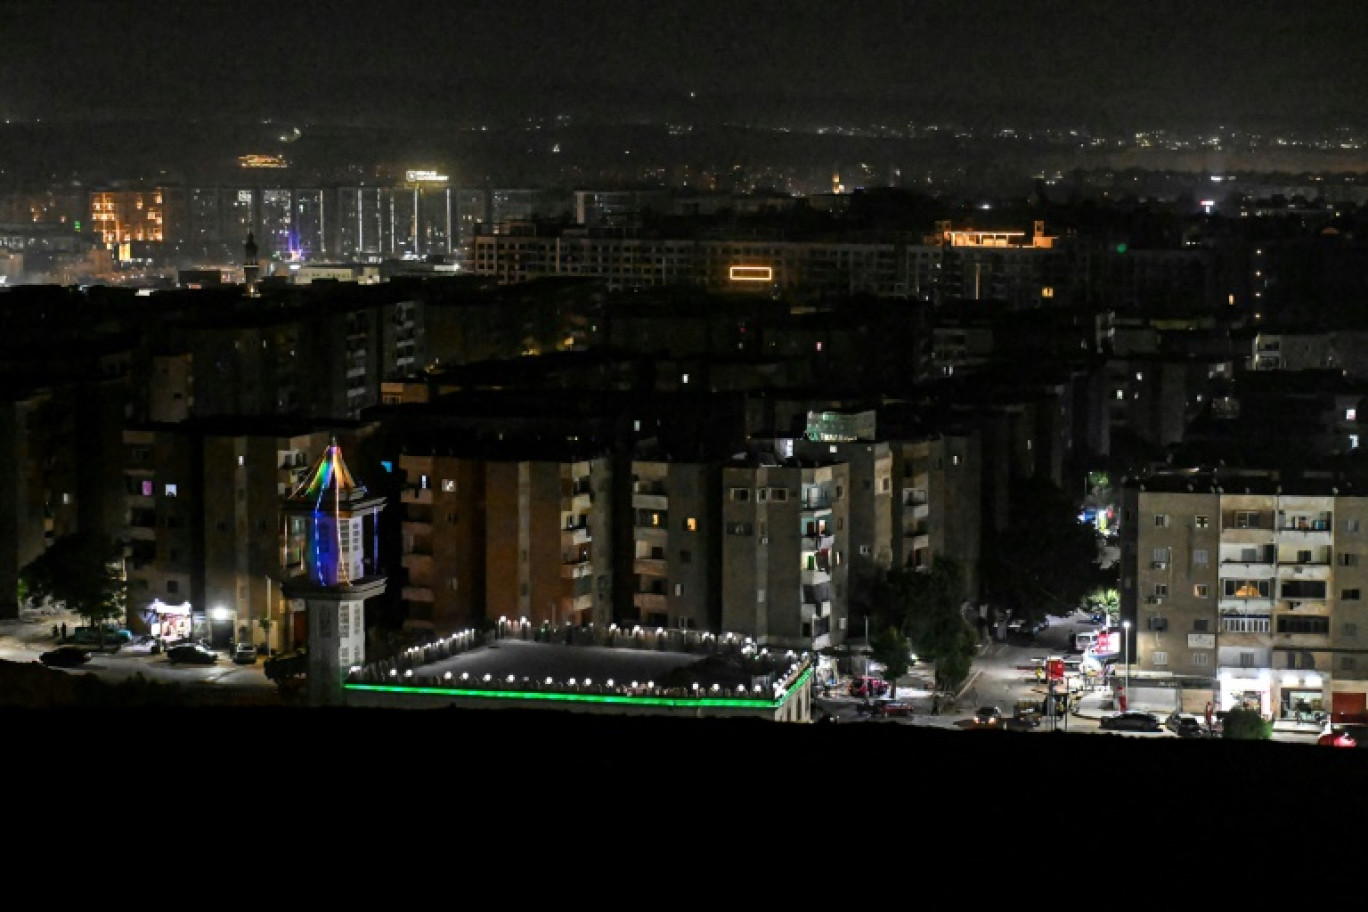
(339, 569)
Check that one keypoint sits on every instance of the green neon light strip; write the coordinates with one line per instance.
(584, 698)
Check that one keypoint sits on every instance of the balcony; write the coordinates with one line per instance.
(416, 563)
(578, 503)
(416, 594)
(1306, 572)
(1246, 606)
(1239, 569)
(1309, 641)
(649, 566)
(1253, 625)
(649, 601)
(650, 502)
(913, 498)
(576, 570)
(577, 536)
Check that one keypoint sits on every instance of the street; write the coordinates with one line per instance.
(1002, 674)
(25, 639)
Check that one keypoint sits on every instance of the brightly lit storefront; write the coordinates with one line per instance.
(166, 621)
(1246, 688)
(1300, 691)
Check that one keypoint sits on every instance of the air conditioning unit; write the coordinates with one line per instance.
(1160, 565)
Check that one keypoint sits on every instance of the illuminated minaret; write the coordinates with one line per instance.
(330, 512)
(250, 269)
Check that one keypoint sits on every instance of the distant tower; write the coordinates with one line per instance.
(250, 269)
(332, 511)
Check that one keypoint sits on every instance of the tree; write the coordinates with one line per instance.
(928, 603)
(1107, 601)
(892, 650)
(83, 571)
(1045, 560)
(1246, 725)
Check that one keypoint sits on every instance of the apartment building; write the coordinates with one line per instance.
(442, 548)
(207, 542)
(131, 221)
(676, 546)
(547, 533)
(937, 504)
(944, 266)
(1247, 588)
(785, 552)
(307, 350)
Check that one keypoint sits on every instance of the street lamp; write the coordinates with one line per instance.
(1125, 688)
(866, 645)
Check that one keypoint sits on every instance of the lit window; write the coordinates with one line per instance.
(170, 490)
(691, 524)
(1351, 414)
(449, 485)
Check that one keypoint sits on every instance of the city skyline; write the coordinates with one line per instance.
(747, 60)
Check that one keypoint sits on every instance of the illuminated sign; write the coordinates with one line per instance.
(751, 274)
(419, 176)
(262, 161)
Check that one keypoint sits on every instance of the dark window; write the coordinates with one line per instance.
(1303, 624)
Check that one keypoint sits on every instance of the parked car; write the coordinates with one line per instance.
(1024, 627)
(1131, 720)
(192, 653)
(1344, 734)
(91, 636)
(988, 717)
(65, 657)
(244, 654)
(1337, 739)
(890, 708)
(1185, 725)
(868, 686)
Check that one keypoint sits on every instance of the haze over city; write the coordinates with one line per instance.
(1111, 65)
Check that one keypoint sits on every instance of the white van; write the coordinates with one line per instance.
(1085, 640)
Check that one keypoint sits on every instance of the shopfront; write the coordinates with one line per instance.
(167, 622)
(1300, 695)
(1246, 688)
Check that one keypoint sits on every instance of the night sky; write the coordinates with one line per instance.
(1015, 61)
